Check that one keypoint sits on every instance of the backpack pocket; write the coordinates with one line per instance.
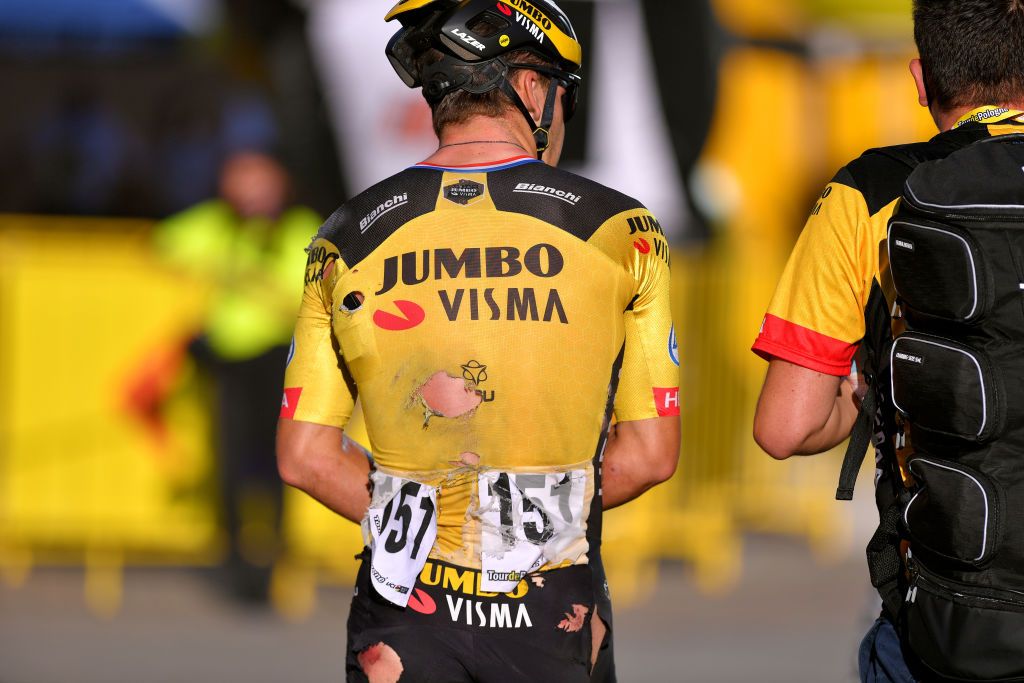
(945, 387)
(956, 512)
(964, 632)
(939, 270)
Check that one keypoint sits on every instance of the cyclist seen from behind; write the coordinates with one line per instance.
(493, 314)
(912, 264)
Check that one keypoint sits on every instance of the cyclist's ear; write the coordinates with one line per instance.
(533, 89)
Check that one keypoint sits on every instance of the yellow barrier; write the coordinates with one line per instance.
(82, 308)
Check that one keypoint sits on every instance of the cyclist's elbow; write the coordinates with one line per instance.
(291, 465)
(664, 464)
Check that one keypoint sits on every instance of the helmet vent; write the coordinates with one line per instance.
(487, 25)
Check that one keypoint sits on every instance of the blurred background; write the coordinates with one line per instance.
(163, 163)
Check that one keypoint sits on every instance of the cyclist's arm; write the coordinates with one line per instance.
(318, 460)
(803, 412)
(639, 456)
(813, 327)
(312, 453)
(643, 447)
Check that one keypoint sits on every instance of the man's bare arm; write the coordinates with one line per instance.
(639, 456)
(803, 412)
(318, 460)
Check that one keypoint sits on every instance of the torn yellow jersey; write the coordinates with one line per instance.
(491, 319)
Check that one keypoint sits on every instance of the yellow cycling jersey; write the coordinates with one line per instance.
(491, 319)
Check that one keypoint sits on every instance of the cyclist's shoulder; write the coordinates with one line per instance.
(362, 223)
(566, 200)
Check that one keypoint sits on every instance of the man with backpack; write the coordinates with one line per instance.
(900, 320)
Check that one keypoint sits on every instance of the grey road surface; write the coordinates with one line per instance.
(790, 620)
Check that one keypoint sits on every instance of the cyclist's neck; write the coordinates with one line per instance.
(482, 140)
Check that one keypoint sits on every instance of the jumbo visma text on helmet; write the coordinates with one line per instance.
(474, 40)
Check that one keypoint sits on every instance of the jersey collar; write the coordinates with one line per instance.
(488, 167)
(987, 115)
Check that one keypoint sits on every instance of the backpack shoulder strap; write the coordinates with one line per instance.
(857, 449)
(899, 154)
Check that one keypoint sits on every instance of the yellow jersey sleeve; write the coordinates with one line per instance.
(316, 387)
(649, 381)
(816, 317)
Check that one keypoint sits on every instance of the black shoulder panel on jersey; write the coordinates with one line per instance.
(562, 199)
(879, 174)
(362, 224)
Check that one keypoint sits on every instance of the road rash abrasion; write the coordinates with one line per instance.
(574, 622)
(381, 664)
(447, 396)
(469, 459)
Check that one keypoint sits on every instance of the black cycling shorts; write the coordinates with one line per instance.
(452, 632)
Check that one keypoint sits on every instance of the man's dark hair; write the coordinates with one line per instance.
(460, 106)
(972, 51)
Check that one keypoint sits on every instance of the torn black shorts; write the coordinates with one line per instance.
(452, 632)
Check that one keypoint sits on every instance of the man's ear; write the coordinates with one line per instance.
(528, 84)
(917, 71)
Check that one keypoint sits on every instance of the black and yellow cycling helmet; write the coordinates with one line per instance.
(474, 38)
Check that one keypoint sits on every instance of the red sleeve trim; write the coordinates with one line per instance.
(804, 347)
(666, 400)
(290, 402)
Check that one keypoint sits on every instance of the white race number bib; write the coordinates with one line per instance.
(402, 526)
(528, 521)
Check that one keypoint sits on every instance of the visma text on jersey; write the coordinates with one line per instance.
(541, 260)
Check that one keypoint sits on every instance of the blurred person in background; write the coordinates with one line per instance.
(482, 507)
(245, 247)
(901, 243)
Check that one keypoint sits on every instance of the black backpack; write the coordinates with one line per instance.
(953, 383)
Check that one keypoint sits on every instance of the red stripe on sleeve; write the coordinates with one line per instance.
(804, 347)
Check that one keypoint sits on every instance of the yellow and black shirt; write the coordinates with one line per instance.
(491, 319)
(838, 270)
(836, 298)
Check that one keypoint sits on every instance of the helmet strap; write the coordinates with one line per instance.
(541, 132)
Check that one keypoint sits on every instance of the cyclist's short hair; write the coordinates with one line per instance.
(972, 51)
(460, 106)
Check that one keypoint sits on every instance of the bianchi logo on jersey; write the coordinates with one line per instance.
(395, 202)
(530, 188)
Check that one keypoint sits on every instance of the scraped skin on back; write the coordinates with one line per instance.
(574, 621)
(449, 396)
(381, 664)
(469, 460)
